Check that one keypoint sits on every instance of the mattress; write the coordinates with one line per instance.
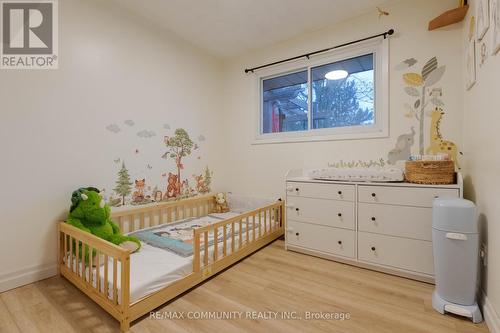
(153, 268)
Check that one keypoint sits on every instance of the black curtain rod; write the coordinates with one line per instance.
(307, 55)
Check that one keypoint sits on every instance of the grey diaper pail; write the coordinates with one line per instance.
(455, 239)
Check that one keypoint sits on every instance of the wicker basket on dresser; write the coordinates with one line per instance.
(381, 226)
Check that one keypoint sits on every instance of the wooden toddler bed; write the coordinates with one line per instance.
(112, 263)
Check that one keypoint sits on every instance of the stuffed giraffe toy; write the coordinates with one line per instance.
(437, 144)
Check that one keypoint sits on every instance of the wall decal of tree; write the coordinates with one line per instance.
(123, 184)
(179, 146)
(418, 86)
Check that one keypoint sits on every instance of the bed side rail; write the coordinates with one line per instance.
(97, 267)
(238, 234)
(140, 217)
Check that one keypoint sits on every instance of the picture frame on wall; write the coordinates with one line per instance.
(482, 18)
(470, 58)
(495, 26)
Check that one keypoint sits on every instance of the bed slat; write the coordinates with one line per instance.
(97, 271)
(151, 218)
(196, 257)
(70, 253)
(240, 234)
(115, 280)
(65, 249)
(232, 237)
(141, 221)
(131, 222)
(120, 222)
(247, 230)
(77, 258)
(83, 262)
(253, 228)
(205, 256)
(106, 275)
(270, 220)
(216, 243)
(265, 222)
(260, 224)
(224, 241)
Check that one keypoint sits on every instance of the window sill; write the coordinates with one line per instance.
(274, 139)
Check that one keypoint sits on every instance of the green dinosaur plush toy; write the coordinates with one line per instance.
(89, 212)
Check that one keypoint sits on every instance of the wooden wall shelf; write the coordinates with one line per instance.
(449, 17)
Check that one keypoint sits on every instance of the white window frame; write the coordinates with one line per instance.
(380, 129)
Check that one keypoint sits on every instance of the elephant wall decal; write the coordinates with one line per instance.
(402, 151)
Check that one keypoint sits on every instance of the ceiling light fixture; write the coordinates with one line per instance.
(336, 74)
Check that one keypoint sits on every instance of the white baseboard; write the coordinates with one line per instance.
(490, 315)
(24, 276)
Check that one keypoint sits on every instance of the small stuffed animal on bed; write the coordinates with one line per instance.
(221, 205)
(89, 212)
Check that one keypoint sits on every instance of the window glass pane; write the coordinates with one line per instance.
(339, 100)
(284, 103)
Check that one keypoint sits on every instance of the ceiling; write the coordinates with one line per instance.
(227, 28)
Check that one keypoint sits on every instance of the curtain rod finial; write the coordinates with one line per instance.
(390, 32)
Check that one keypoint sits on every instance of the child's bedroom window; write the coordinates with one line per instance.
(339, 95)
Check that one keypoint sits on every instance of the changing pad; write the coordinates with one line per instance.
(368, 174)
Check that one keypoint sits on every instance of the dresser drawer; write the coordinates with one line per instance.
(402, 253)
(321, 238)
(409, 196)
(403, 221)
(321, 191)
(321, 211)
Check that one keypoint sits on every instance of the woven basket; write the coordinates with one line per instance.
(430, 172)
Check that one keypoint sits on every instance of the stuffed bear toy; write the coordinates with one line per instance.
(221, 205)
(89, 212)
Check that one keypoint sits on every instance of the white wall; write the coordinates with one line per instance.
(52, 123)
(482, 158)
(261, 168)
(113, 67)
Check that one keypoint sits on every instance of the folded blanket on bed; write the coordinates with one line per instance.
(177, 237)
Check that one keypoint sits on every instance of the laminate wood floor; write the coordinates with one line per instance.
(270, 281)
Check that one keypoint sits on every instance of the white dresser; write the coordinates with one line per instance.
(382, 226)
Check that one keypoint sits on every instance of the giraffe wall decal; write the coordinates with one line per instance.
(437, 144)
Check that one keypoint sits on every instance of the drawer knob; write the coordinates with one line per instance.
(373, 218)
(339, 214)
(374, 195)
(339, 192)
(297, 189)
(296, 234)
(340, 242)
(297, 209)
(373, 248)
